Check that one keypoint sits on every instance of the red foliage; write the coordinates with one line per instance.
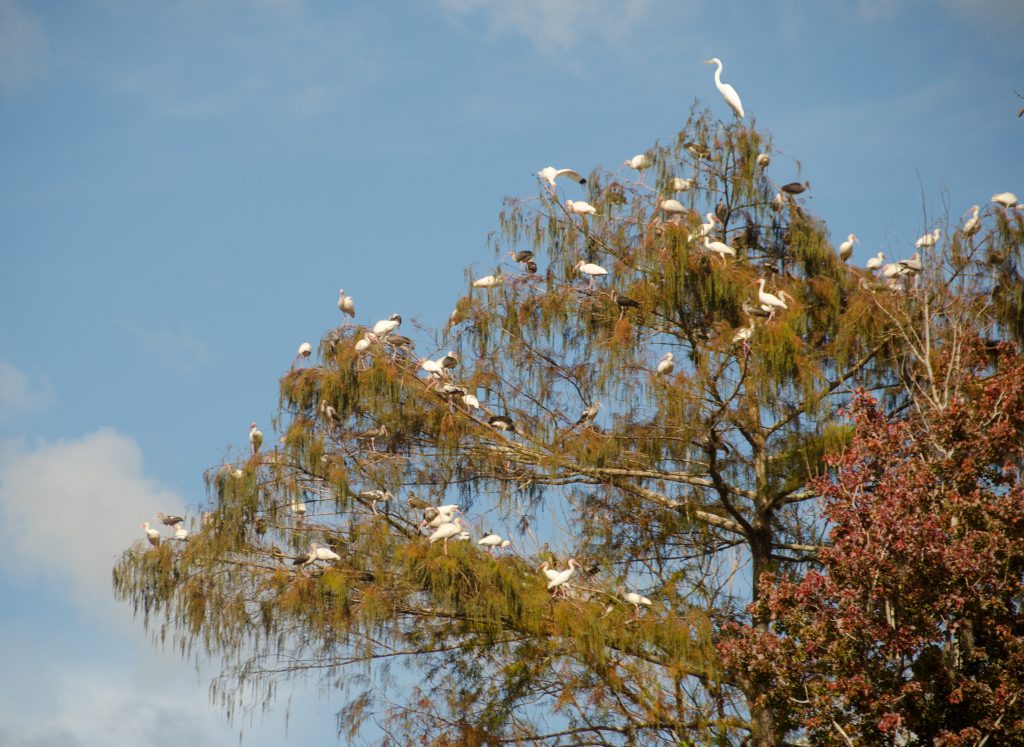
(912, 630)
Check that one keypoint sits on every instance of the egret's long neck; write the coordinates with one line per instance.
(718, 74)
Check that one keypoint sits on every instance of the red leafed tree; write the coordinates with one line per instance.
(911, 629)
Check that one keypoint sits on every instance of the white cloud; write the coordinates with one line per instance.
(24, 50)
(68, 508)
(18, 395)
(554, 25)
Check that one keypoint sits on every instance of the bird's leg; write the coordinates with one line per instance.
(446, 546)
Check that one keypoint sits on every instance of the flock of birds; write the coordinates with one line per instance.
(442, 521)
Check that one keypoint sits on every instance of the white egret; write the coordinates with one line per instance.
(973, 223)
(704, 229)
(579, 207)
(666, 364)
(875, 262)
(679, 184)
(928, 240)
(550, 174)
(346, 305)
(548, 571)
(255, 438)
(771, 302)
(562, 577)
(728, 92)
(1006, 199)
(846, 248)
(590, 270)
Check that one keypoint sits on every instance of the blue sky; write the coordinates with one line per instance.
(184, 186)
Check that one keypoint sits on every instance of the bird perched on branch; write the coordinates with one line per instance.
(153, 535)
(169, 520)
(588, 415)
(372, 435)
(846, 248)
(728, 92)
(346, 304)
(387, 326)
(795, 188)
(550, 174)
(255, 438)
(666, 364)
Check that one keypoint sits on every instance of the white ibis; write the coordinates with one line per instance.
(550, 174)
(846, 248)
(434, 368)
(346, 305)
(446, 531)
(323, 553)
(169, 520)
(297, 507)
(590, 270)
(679, 184)
(375, 497)
(639, 162)
(181, 533)
(562, 577)
(501, 423)
(637, 600)
(973, 223)
(763, 160)
(492, 540)
(588, 415)
(928, 240)
(487, 281)
(368, 339)
(891, 269)
(372, 434)
(470, 400)
(386, 326)
(153, 535)
(435, 516)
(666, 364)
(704, 229)
(728, 92)
(875, 262)
(305, 350)
(548, 571)
(579, 207)
(1006, 199)
(721, 249)
(450, 360)
(672, 207)
(772, 303)
(307, 557)
(255, 438)
(795, 188)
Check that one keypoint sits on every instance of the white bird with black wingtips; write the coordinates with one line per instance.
(550, 174)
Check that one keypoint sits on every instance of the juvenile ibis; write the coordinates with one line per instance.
(372, 434)
(875, 262)
(697, 150)
(728, 92)
(588, 415)
(846, 248)
(763, 160)
(590, 270)
(550, 174)
(639, 162)
(795, 188)
(521, 257)
(562, 577)
(625, 302)
(153, 535)
(751, 309)
(743, 334)
(435, 516)
(305, 350)
(487, 281)
(531, 267)
(346, 305)
(255, 438)
(375, 497)
(928, 240)
(387, 326)
(679, 184)
(1006, 199)
(170, 520)
(446, 531)
(501, 423)
(721, 249)
(579, 207)
(666, 364)
(973, 224)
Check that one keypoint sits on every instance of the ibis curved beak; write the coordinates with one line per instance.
(708, 62)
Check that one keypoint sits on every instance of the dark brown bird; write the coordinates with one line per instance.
(625, 302)
(795, 188)
(521, 257)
